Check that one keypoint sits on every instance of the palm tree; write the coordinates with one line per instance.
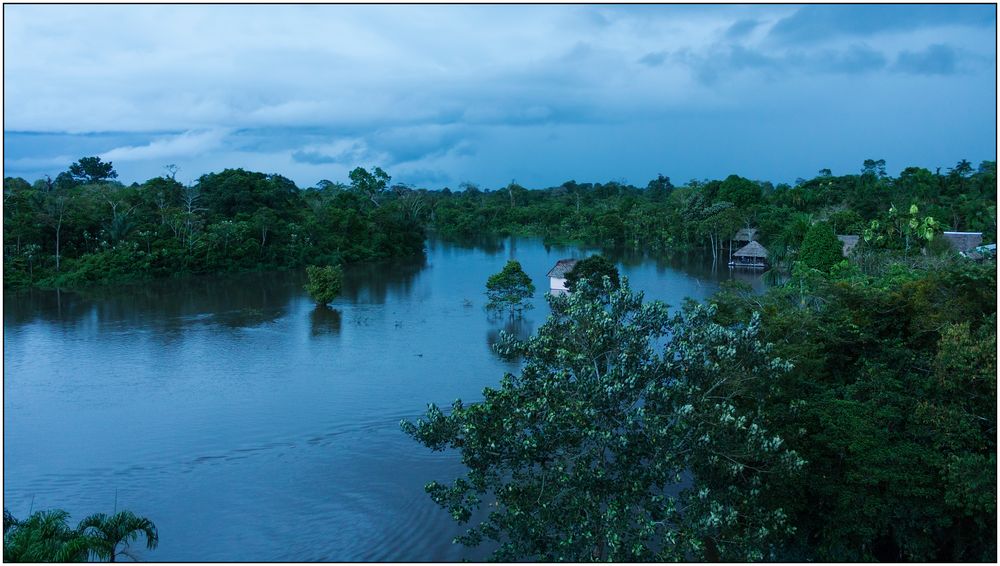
(122, 528)
(45, 536)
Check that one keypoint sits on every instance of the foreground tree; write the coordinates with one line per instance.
(108, 533)
(604, 450)
(509, 289)
(45, 536)
(324, 283)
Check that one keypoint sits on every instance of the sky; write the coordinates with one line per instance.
(489, 94)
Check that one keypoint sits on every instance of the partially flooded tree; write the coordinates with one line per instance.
(604, 449)
(509, 289)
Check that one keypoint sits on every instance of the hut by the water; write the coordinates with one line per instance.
(752, 255)
(557, 275)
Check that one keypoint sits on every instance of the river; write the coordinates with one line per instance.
(250, 426)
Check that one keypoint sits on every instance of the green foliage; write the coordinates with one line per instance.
(108, 533)
(593, 270)
(821, 249)
(45, 536)
(92, 170)
(324, 283)
(509, 289)
(75, 235)
(892, 403)
(604, 449)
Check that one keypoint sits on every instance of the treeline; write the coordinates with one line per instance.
(701, 215)
(84, 227)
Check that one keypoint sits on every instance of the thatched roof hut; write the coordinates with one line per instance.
(751, 250)
(562, 267)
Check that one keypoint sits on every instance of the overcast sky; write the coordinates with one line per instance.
(437, 95)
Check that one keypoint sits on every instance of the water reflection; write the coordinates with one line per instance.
(375, 283)
(324, 320)
(234, 301)
(518, 327)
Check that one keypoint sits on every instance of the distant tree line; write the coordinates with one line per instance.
(85, 227)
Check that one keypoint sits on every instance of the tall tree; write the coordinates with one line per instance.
(92, 170)
(602, 449)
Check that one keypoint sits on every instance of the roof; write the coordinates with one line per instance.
(746, 235)
(849, 242)
(562, 267)
(753, 249)
(964, 241)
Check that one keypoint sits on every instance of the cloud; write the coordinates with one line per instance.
(815, 23)
(183, 145)
(937, 59)
(741, 28)
(313, 90)
(653, 59)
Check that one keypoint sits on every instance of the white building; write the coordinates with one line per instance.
(557, 275)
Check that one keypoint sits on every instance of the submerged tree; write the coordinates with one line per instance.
(324, 283)
(509, 289)
(602, 449)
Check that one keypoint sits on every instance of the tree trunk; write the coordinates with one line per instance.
(58, 230)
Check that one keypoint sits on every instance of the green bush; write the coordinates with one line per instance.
(324, 283)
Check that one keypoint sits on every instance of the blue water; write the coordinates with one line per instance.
(250, 426)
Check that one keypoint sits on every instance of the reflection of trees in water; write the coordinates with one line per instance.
(518, 327)
(372, 282)
(234, 301)
(324, 320)
(491, 245)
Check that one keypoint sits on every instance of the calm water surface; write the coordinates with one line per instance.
(250, 426)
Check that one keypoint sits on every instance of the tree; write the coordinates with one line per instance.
(592, 270)
(821, 249)
(45, 536)
(509, 289)
(92, 170)
(602, 449)
(368, 184)
(324, 283)
(122, 528)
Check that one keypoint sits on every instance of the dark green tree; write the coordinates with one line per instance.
(324, 283)
(602, 449)
(509, 289)
(821, 249)
(593, 270)
(92, 170)
(371, 185)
